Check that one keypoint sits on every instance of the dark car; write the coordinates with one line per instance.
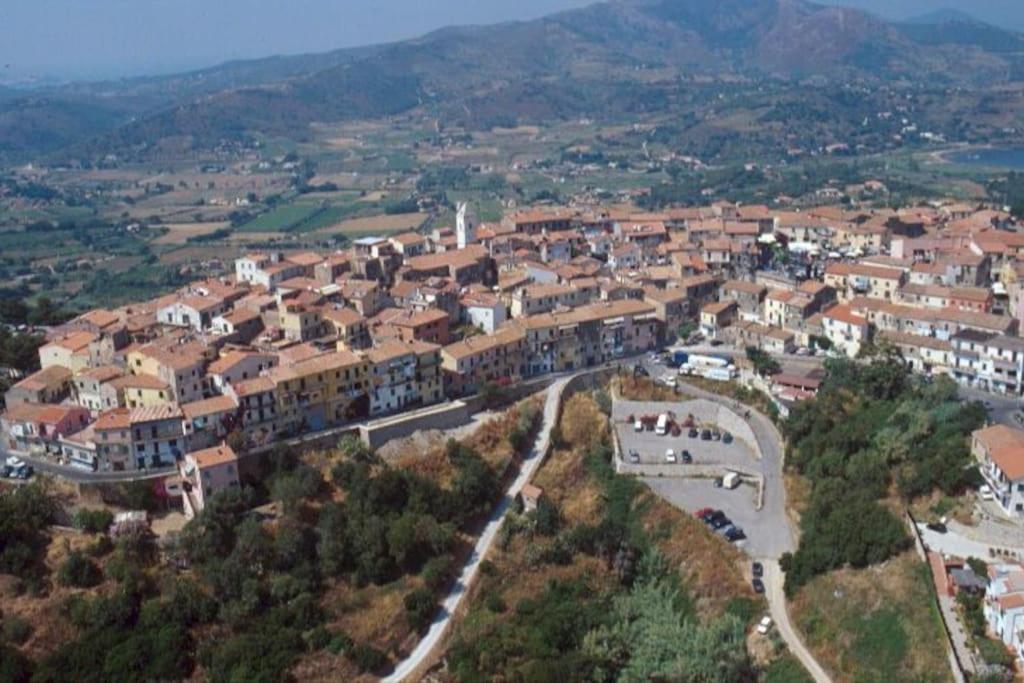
(721, 522)
(726, 437)
(640, 371)
(714, 516)
(735, 534)
(686, 458)
(26, 472)
(693, 432)
(705, 435)
(757, 569)
(937, 527)
(718, 483)
(6, 472)
(758, 585)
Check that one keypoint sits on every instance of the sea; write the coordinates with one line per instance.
(1007, 157)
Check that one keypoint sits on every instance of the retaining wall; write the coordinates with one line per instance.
(444, 416)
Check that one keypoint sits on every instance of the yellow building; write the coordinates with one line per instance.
(321, 391)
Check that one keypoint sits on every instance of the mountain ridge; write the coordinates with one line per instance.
(533, 69)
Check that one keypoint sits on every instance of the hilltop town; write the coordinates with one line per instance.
(292, 343)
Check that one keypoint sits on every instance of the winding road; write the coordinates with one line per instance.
(442, 623)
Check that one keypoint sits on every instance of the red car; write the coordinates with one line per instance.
(699, 514)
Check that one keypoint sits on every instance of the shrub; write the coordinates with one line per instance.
(93, 521)
(340, 644)
(78, 571)
(318, 638)
(16, 630)
(420, 608)
(495, 603)
(436, 571)
(367, 658)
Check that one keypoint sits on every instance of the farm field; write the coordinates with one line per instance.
(179, 233)
(370, 224)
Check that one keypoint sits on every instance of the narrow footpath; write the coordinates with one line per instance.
(439, 629)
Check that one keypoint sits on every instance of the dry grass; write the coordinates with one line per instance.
(878, 623)
(644, 389)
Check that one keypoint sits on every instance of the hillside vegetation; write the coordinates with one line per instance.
(604, 582)
(874, 436)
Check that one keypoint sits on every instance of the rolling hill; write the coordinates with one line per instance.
(611, 59)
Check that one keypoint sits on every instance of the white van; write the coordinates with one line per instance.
(638, 425)
(661, 429)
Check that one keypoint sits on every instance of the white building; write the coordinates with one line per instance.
(999, 450)
(846, 330)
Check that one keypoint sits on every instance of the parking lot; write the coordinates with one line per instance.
(764, 537)
(651, 448)
(691, 487)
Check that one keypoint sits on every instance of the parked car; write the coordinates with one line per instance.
(670, 456)
(693, 433)
(986, 492)
(713, 516)
(758, 586)
(638, 426)
(764, 625)
(735, 534)
(705, 435)
(686, 457)
(720, 522)
(716, 435)
(939, 526)
(757, 569)
(700, 514)
(634, 457)
(726, 437)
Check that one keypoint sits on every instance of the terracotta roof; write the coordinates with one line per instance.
(484, 342)
(1005, 445)
(76, 341)
(139, 382)
(47, 377)
(163, 411)
(256, 385)
(209, 406)
(743, 286)
(212, 457)
(843, 314)
(118, 418)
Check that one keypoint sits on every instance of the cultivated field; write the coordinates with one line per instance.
(179, 233)
(382, 224)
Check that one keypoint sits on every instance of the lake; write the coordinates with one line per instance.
(1009, 157)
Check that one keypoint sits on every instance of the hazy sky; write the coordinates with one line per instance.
(107, 38)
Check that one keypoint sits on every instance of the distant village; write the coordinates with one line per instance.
(292, 343)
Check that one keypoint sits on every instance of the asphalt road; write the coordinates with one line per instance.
(773, 584)
(79, 475)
